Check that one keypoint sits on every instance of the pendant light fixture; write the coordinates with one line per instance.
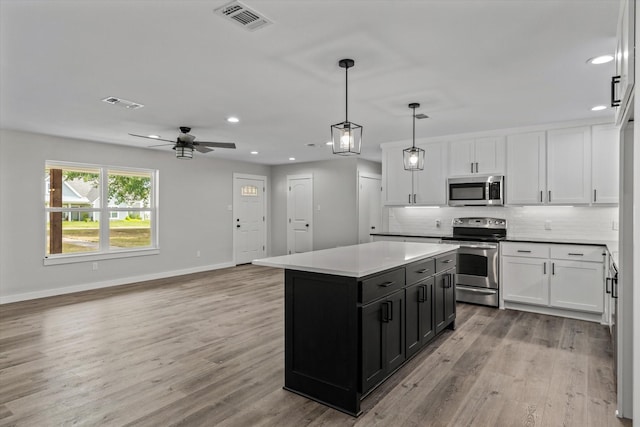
(346, 137)
(413, 156)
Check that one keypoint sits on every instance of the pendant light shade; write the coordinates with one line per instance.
(346, 137)
(413, 157)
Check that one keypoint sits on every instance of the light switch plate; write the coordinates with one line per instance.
(547, 225)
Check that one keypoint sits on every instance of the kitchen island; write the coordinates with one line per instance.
(355, 314)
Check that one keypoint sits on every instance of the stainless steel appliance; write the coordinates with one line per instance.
(477, 275)
(485, 190)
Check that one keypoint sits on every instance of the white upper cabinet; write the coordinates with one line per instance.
(477, 156)
(430, 184)
(425, 187)
(605, 161)
(526, 169)
(396, 182)
(623, 82)
(569, 166)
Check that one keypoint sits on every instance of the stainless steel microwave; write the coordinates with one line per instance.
(485, 190)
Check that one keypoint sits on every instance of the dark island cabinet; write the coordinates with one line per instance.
(345, 335)
(383, 348)
(420, 326)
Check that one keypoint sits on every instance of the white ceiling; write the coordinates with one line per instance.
(473, 65)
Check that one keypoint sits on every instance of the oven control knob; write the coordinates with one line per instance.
(491, 222)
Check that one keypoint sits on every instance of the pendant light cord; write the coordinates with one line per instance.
(414, 127)
(346, 94)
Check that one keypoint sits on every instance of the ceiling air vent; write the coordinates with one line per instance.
(247, 18)
(421, 116)
(122, 103)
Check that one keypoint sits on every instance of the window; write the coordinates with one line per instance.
(249, 190)
(78, 196)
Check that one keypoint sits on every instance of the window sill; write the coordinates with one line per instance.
(70, 259)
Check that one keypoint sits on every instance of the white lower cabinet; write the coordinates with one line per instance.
(525, 280)
(566, 277)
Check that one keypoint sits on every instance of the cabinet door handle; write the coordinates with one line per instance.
(524, 252)
(607, 281)
(594, 195)
(386, 284)
(471, 167)
(409, 198)
(540, 196)
(553, 268)
(476, 167)
(544, 267)
(614, 102)
(575, 254)
(414, 198)
(422, 294)
(614, 288)
(389, 310)
(385, 312)
(549, 196)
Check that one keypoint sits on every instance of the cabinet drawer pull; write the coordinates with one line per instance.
(575, 254)
(446, 261)
(524, 252)
(614, 102)
(386, 284)
(424, 270)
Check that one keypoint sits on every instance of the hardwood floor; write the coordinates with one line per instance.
(207, 349)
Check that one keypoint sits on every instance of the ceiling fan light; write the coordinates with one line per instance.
(184, 152)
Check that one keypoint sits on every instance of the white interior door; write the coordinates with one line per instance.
(249, 217)
(299, 213)
(369, 206)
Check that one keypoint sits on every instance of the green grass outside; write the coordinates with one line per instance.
(113, 224)
(122, 234)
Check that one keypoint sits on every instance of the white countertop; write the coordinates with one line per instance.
(358, 260)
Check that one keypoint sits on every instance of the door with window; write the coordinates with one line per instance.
(299, 213)
(249, 217)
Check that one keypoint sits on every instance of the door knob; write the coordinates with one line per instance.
(373, 228)
(306, 225)
(238, 226)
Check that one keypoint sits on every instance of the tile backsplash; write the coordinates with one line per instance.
(525, 221)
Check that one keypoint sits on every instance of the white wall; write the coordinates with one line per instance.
(525, 221)
(335, 183)
(193, 215)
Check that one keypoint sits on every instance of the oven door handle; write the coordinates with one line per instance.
(477, 291)
(462, 245)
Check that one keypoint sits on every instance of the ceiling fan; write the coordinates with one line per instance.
(186, 143)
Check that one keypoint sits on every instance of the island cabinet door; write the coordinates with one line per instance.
(383, 341)
(419, 327)
(444, 299)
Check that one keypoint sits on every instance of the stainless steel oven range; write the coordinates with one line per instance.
(477, 277)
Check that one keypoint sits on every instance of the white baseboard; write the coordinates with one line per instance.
(6, 299)
(579, 315)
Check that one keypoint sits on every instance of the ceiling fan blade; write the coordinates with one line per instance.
(161, 145)
(148, 137)
(202, 149)
(216, 144)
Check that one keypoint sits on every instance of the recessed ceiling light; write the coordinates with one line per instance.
(603, 59)
(329, 143)
(599, 108)
(292, 158)
(153, 136)
(233, 120)
(254, 152)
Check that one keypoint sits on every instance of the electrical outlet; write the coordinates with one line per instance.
(547, 225)
(198, 254)
(318, 207)
(95, 266)
(438, 223)
(229, 207)
(614, 225)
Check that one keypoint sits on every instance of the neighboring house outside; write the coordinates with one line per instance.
(77, 193)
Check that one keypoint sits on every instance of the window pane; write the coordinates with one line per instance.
(249, 190)
(129, 189)
(129, 229)
(79, 187)
(72, 232)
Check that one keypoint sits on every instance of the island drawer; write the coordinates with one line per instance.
(380, 285)
(446, 262)
(420, 270)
